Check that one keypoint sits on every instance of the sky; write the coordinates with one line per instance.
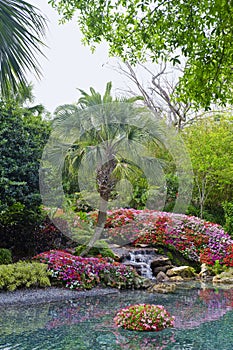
(70, 64)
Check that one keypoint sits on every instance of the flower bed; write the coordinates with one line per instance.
(196, 239)
(144, 317)
(79, 273)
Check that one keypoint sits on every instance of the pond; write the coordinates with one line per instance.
(204, 321)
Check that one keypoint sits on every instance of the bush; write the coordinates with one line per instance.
(47, 236)
(228, 212)
(5, 256)
(23, 274)
(144, 317)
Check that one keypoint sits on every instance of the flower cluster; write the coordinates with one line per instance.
(196, 239)
(228, 259)
(76, 272)
(144, 317)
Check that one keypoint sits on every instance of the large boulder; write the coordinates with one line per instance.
(185, 272)
(224, 277)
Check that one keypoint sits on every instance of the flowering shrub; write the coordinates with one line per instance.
(228, 260)
(196, 239)
(79, 273)
(144, 317)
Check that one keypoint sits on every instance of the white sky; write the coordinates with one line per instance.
(70, 64)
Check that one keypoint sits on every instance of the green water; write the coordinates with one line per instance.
(204, 321)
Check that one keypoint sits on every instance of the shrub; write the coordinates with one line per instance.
(5, 256)
(47, 236)
(100, 248)
(144, 317)
(24, 274)
(228, 213)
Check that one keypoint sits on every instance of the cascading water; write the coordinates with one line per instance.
(141, 261)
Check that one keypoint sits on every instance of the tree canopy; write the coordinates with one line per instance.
(210, 143)
(198, 33)
(23, 134)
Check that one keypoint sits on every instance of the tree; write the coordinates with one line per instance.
(23, 134)
(210, 145)
(158, 94)
(197, 33)
(109, 139)
(21, 32)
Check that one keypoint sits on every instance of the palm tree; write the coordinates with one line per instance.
(109, 136)
(22, 29)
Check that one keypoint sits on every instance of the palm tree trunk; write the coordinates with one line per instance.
(106, 184)
(101, 219)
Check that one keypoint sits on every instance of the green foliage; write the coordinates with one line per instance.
(228, 211)
(172, 190)
(100, 248)
(140, 193)
(5, 256)
(23, 274)
(196, 32)
(109, 138)
(210, 145)
(22, 29)
(217, 268)
(23, 135)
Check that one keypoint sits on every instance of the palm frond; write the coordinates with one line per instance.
(22, 28)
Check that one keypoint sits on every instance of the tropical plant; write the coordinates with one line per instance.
(112, 138)
(21, 33)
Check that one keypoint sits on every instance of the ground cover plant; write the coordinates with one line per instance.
(196, 239)
(79, 273)
(24, 274)
(144, 317)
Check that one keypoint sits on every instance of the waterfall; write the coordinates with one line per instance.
(141, 261)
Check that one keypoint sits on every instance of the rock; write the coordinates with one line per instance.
(176, 279)
(156, 270)
(146, 283)
(204, 273)
(119, 252)
(224, 277)
(162, 288)
(182, 271)
(161, 276)
(145, 246)
(160, 261)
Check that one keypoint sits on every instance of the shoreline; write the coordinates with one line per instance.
(35, 296)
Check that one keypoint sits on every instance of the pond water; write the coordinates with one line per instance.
(204, 321)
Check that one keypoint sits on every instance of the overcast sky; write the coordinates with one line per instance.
(69, 65)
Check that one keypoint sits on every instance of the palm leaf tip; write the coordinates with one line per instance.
(22, 29)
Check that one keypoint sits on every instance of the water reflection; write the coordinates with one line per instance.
(204, 320)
